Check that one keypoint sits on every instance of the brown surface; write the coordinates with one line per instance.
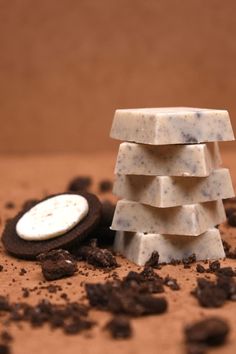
(22, 178)
(67, 64)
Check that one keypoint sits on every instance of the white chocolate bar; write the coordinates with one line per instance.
(164, 191)
(168, 160)
(138, 247)
(176, 125)
(191, 220)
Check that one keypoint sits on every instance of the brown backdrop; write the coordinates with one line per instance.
(65, 66)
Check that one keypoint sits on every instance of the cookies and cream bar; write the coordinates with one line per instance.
(191, 220)
(165, 191)
(168, 160)
(175, 125)
(138, 247)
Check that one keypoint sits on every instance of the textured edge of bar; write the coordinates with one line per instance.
(189, 220)
(136, 246)
(166, 191)
(168, 160)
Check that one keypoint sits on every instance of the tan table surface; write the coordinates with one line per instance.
(25, 177)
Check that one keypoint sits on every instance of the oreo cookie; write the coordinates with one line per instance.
(21, 248)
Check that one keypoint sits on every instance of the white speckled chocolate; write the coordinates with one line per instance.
(176, 125)
(189, 220)
(168, 160)
(138, 247)
(164, 191)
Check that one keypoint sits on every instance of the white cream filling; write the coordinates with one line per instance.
(52, 217)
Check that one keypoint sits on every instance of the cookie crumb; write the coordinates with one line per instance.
(23, 271)
(215, 293)
(105, 186)
(229, 252)
(229, 211)
(6, 336)
(98, 257)
(189, 260)
(211, 331)
(153, 260)
(119, 327)
(130, 296)
(10, 205)
(4, 349)
(200, 268)
(196, 348)
(57, 264)
(171, 283)
(80, 184)
(214, 266)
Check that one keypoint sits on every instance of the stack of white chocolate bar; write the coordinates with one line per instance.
(168, 172)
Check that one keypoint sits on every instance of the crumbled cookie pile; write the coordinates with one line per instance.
(138, 293)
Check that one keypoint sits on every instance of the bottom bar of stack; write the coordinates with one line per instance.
(138, 247)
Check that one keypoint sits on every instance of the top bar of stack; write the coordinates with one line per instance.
(178, 125)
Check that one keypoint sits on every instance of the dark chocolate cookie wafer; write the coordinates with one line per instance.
(30, 249)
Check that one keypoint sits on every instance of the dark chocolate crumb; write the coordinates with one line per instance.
(80, 183)
(1, 267)
(214, 266)
(70, 317)
(76, 325)
(211, 331)
(4, 349)
(57, 264)
(230, 211)
(98, 257)
(6, 337)
(23, 271)
(119, 327)
(105, 186)
(153, 260)
(64, 296)
(227, 271)
(229, 252)
(200, 268)
(145, 281)
(209, 294)
(10, 205)
(25, 292)
(215, 293)
(232, 220)
(4, 303)
(189, 260)
(171, 283)
(175, 262)
(228, 285)
(52, 289)
(196, 348)
(130, 296)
